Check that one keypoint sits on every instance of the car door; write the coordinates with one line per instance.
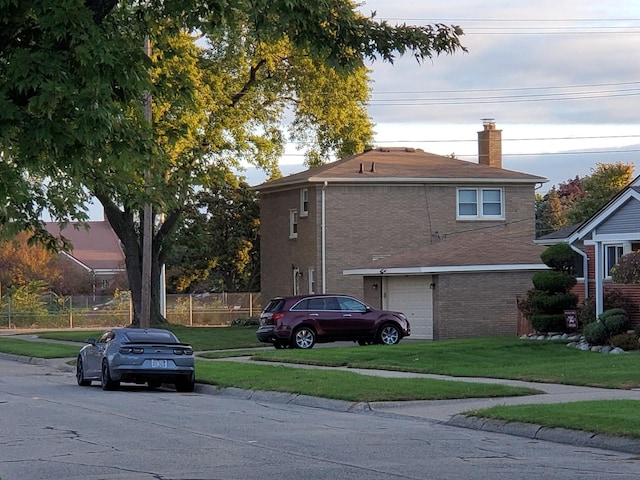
(355, 318)
(95, 352)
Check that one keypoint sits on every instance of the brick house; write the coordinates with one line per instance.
(97, 254)
(599, 242)
(448, 242)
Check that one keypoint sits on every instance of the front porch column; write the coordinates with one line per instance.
(599, 277)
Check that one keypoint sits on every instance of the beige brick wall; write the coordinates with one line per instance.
(364, 222)
(478, 304)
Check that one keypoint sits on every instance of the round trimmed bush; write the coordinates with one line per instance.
(544, 323)
(553, 281)
(596, 334)
(559, 257)
(626, 341)
(542, 302)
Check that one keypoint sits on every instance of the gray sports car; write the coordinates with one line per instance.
(153, 356)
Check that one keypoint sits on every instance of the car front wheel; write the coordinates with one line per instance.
(304, 337)
(389, 334)
(80, 374)
(105, 379)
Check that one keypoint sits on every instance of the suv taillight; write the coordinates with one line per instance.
(276, 316)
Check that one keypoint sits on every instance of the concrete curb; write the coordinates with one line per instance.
(558, 435)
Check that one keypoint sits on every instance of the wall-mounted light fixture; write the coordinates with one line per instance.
(374, 286)
(432, 286)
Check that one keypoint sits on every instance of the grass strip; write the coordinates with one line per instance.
(342, 385)
(29, 348)
(613, 417)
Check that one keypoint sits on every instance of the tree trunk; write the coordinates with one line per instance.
(124, 226)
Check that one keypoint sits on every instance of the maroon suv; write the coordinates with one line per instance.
(304, 320)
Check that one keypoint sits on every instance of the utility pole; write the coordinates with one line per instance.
(147, 219)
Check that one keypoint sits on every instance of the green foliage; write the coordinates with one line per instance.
(559, 257)
(610, 323)
(612, 299)
(216, 246)
(595, 333)
(553, 281)
(548, 322)
(542, 302)
(605, 181)
(627, 270)
(245, 322)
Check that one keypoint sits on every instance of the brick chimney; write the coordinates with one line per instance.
(490, 144)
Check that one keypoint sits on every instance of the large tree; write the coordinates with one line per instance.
(216, 246)
(73, 75)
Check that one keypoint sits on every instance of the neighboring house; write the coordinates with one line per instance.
(599, 243)
(447, 242)
(97, 252)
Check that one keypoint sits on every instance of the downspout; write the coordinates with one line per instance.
(324, 239)
(585, 269)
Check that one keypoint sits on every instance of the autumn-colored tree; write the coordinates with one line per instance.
(605, 181)
(551, 216)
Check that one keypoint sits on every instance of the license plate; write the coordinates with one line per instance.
(158, 364)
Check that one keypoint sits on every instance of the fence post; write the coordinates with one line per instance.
(250, 305)
(70, 311)
(191, 310)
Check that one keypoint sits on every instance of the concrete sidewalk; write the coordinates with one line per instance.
(453, 412)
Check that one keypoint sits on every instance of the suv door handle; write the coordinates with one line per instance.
(313, 314)
(346, 315)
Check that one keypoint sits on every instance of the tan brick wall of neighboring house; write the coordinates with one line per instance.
(490, 296)
(365, 222)
(278, 252)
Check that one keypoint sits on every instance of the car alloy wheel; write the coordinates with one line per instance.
(389, 334)
(304, 337)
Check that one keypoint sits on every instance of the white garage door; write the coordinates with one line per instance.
(412, 296)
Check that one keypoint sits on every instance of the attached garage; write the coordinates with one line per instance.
(411, 295)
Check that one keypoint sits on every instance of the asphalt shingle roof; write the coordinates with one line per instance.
(97, 247)
(401, 165)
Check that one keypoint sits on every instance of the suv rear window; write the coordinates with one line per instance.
(274, 305)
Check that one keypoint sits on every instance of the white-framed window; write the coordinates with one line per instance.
(311, 276)
(480, 203)
(304, 202)
(296, 281)
(612, 254)
(293, 224)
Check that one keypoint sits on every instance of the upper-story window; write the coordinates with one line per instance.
(293, 224)
(480, 203)
(304, 202)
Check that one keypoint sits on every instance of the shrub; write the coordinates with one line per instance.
(626, 341)
(595, 333)
(544, 303)
(544, 323)
(559, 257)
(553, 281)
(627, 270)
(612, 299)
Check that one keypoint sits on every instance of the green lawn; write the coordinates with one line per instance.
(511, 358)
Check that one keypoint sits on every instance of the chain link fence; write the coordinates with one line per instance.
(52, 311)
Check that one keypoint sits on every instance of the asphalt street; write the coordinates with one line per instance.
(449, 412)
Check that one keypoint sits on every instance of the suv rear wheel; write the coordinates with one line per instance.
(303, 337)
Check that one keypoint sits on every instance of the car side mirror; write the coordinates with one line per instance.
(91, 341)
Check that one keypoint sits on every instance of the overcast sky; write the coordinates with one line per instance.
(556, 75)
